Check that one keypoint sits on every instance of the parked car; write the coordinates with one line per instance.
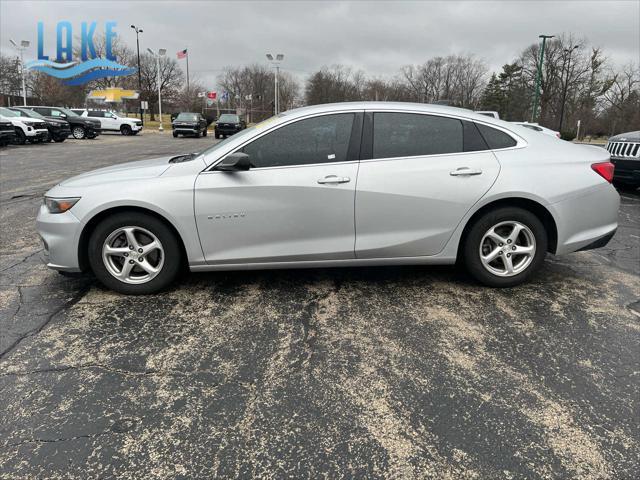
(488, 113)
(539, 128)
(7, 132)
(625, 155)
(26, 129)
(111, 121)
(80, 127)
(229, 124)
(189, 123)
(58, 129)
(363, 183)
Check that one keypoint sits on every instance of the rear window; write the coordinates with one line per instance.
(410, 134)
(495, 138)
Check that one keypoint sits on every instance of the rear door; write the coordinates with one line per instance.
(296, 203)
(422, 175)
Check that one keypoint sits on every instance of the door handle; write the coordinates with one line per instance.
(333, 179)
(465, 171)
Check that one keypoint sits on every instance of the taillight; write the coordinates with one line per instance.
(604, 169)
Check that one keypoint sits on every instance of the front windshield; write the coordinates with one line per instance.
(32, 114)
(227, 117)
(68, 112)
(5, 112)
(187, 116)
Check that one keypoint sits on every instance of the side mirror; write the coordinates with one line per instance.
(63, 115)
(235, 162)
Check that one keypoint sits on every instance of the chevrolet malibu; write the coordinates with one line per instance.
(350, 184)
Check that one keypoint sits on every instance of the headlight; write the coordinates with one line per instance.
(60, 205)
(29, 124)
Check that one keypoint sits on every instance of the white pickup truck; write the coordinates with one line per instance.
(112, 122)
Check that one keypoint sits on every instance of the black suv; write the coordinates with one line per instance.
(80, 127)
(625, 155)
(7, 133)
(59, 129)
(189, 123)
(228, 124)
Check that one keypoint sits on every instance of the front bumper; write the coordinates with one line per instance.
(60, 234)
(186, 128)
(227, 130)
(37, 134)
(136, 127)
(627, 170)
(56, 132)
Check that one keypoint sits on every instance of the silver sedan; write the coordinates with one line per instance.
(338, 185)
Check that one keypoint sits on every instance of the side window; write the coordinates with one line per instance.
(314, 140)
(411, 134)
(473, 141)
(43, 111)
(95, 113)
(56, 113)
(495, 138)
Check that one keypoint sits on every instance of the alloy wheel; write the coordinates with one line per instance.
(507, 249)
(78, 133)
(133, 255)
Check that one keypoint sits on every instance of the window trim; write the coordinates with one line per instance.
(520, 142)
(211, 168)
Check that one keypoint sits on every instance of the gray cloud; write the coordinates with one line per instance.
(375, 36)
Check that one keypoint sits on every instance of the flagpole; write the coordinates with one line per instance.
(187, 70)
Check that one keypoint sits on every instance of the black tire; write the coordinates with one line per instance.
(471, 245)
(217, 135)
(126, 130)
(197, 134)
(78, 132)
(20, 138)
(172, 253)
(204, 132)
(175, 134)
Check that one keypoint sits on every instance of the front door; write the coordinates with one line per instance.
(296, 203)
(425, 173)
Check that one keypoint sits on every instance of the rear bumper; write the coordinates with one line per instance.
(60, 234)
(586, 219)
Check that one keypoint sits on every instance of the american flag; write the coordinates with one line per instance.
(182, 53)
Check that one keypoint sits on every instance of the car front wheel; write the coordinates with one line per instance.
(505, 246)
(78, 133)
(125, 130)
(134, 253)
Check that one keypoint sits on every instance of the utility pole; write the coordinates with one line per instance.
(534, 113)
(138, 32)
(23, 45)
(567, 51)
(276, 63)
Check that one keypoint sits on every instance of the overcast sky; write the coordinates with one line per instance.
(378, 37)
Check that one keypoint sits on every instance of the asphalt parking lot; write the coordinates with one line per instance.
(339, 373)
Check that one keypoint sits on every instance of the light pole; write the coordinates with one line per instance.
(161, 53)
(534, 113)
(138, 32)
(276, 63)
(24, 44)
(567, 51)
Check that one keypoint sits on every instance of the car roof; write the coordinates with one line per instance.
(407, 106)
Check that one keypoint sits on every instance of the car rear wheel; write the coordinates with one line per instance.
(125, 130)
(505, 246)
(78, 133)
(134, 253)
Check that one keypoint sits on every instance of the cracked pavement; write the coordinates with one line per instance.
(392, 372)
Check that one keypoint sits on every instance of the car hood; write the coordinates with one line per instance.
(626, 137)
(123, 172)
